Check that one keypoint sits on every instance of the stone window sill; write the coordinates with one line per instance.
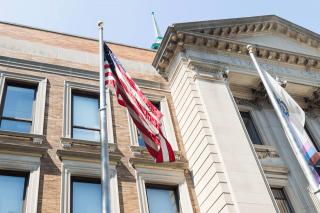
(264, 151)
(34, 138)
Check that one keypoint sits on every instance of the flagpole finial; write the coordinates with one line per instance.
(250, 48)
(100, 24)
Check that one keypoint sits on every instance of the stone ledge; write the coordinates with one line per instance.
(142, 158)
(142, 152)
(149, 163)
(114, 158)
(23, 149)
(34, 138)
(264, 151)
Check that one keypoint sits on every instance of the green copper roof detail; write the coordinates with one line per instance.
(159, 38)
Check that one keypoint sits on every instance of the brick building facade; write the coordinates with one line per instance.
(232, 155)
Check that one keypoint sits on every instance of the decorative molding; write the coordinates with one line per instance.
(69, 87)
(313, 102)
(231, 46)
(85, 169)
(264, 151)
(163, 176)
(218, 34)
(32, 166)
(167, 126)
(39, 106)
(142, 152)
(208, 71)
(70, 142)
(88, 155)
(259, 27)
(246, 102)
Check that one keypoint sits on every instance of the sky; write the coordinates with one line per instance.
(129, 21)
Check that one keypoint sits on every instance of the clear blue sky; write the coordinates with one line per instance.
(129, 21)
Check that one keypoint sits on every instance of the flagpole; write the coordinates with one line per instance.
(303, 163)
(105, 192)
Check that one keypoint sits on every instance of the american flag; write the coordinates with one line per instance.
(144, 114)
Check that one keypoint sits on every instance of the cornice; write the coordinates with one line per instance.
(275, 26)
(67, 71)
(181, 40)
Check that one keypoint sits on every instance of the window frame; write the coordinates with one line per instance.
(256, 122)
(311, 126)
(90, 170)
(167, 126)
(25, 165)
(82, 180)
(3, 101)
(162, 177)
(82, 94)
(12, 173)
(69, 88)
(287, 199)
(165, 187)
(40, 85)
(254, 126)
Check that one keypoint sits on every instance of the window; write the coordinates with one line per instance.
(80, 183)
(23, 99)
(19, 183)
(252, 131)
(167, 127)
(17, 108)
(165, 188)
(86, 195)
(12, 191)
(281, 200)
(85, 117)
(139, 135)
(81, 121)
(306, 128)
(162, 198)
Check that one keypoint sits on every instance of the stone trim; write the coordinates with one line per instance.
(86, 169)
(28, 164)
(114, 157)
(182, 39)
(35, 138)
(69, 87)
(208, 71)
(265, 151)
(68, 71)
(262, 27)
(38, 108)
(168, 129)
(169, 177)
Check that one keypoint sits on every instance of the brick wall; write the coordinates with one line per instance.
(50, 181)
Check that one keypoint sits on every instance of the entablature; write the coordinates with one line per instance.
(181, 40)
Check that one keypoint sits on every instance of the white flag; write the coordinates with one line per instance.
(295, 118)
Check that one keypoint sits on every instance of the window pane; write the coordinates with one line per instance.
(85, 112)
(156, 104)
(140, 139)
(248, 122)
(86, 197)
(162, 200)
(281, 200)
(311, 138)
(86, 134)
(18, 102)
(11, 193)
(16, 126)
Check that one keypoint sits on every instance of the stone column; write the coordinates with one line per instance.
(226, 173)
